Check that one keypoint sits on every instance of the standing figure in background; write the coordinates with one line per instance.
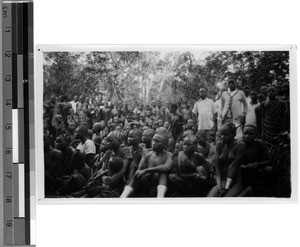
(251, 114)
(176, 123)
(234, 107)
(205, 112)
(272, 111)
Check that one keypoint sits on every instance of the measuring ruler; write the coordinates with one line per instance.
(18, 123)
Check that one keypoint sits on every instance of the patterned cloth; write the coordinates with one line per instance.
(272, 119)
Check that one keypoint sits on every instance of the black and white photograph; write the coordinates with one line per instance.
(166, 122)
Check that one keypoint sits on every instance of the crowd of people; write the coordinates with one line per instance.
(94, 147)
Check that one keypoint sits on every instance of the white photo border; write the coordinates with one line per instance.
(39, 154)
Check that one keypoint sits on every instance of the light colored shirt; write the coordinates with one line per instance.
(251, 117)
(87, 148)
(205, 109)
(239, 105)
(74, 105)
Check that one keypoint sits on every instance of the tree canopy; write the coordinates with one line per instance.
(130, 76)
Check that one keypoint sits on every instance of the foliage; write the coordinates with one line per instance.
(130, 76)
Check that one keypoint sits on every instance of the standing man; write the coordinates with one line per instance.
(251, 118)
(205, 111)
(234, 107)
(74, 103)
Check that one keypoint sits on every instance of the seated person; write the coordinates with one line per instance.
(229, 155)
(212, 152)
(62, 144)
(153, 170)
(134, 140)
(82, 174)
(96, 137)
(193, 174)
(203, 145)
(107, 186)
(52, 165)
(191, 125)
(147, 138)
(114, 149)
(256, 168)
(86, 146)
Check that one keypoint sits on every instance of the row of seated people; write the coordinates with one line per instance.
(145, 168)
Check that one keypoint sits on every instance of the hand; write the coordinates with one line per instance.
(198, 176)
(222, 192)
(139, 173)
(106, 180)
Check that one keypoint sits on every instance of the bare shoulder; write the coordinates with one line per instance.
(169, 154)
(240, 145)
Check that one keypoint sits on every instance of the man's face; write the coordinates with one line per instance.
(188, 146)
(225, 135)
(75, 98)
(60, 143)
(166, 125)
(132, 138)
(78, 134)
(72, 126)
(212, 136)
(202, 93)
(253, 96)
(246, 90)
(146, 137)
(112, 142)
(104, 145)
(261, 98)
(159, 104)
(160, 123)
(249, 135)
(116, 119)
(263, 90)
(231, 85)
(190, 123)
(158, 143)
(271, 92)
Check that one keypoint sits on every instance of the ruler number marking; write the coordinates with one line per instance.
(9, 174)
(7, 54)
(4, 11)
(8, 200)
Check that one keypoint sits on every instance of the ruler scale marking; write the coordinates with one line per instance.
(7, 122)
(17, 58)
